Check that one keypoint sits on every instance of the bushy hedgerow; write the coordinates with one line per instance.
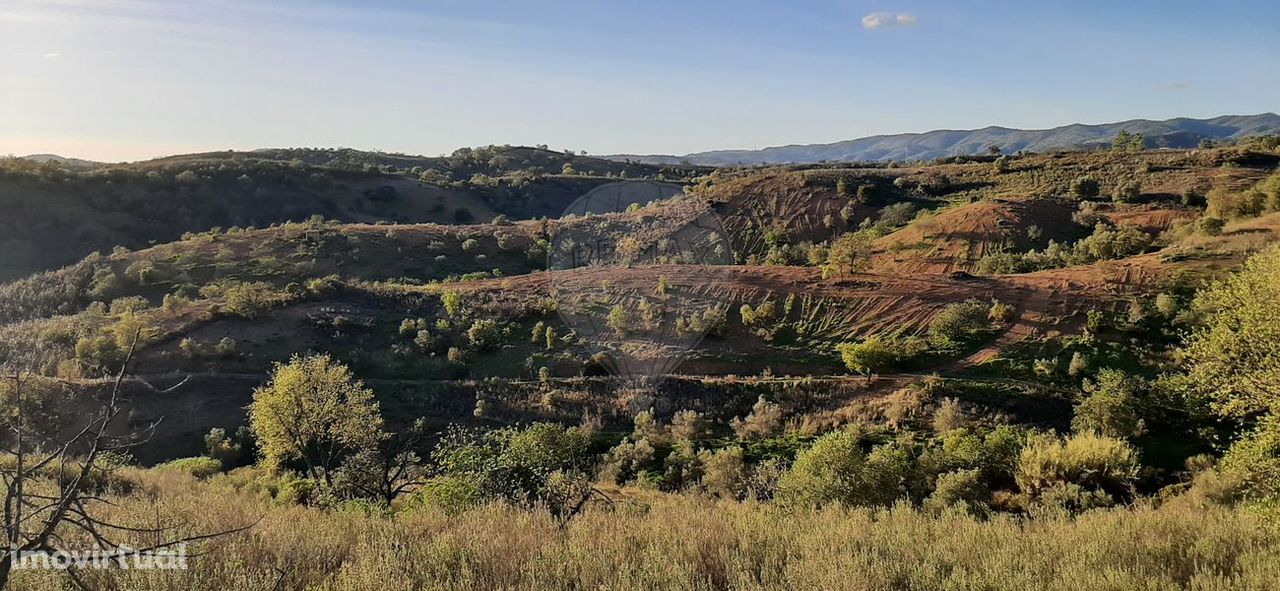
(1105, 243)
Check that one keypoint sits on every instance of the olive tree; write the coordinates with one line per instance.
(313, 411)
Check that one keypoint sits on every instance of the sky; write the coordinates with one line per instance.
(123, 80)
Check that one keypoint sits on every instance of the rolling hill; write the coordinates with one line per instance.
(462, 323)
(62, 210)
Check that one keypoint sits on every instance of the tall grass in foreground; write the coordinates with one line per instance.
(670, 542)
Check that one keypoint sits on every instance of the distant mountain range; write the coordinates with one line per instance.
(1172, 133)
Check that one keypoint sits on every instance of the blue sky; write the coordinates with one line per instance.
(132, 79)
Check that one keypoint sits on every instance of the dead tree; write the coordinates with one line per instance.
(40, 519)
(392, 470)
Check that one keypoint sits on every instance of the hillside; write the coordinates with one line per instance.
(61, 214)
(238, 353)
(62, 161)
(439, 316)
(1171, 133)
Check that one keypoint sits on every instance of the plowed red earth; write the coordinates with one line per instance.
(957, 238)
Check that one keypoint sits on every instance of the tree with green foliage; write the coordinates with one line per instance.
(539, 465)
(835, 470)
(958, 323)
(1122, 140)
(315, 412)
(1111, 406)
(1128, 142)
(850, 252)
(1233, 362)
(868, 356)
(618, 320)
(724, 473)
(1234, 356)
(250, 299)
(688, 427)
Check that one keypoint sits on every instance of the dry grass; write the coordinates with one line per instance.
(666, 542)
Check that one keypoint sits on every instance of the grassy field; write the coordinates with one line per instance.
(646, 540)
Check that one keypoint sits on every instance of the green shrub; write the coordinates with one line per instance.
(484, 334)
(766, 320)
(1069, 498)
(452, 302)
(711, 322)
(876, 353)
(294, 490)
(618, 320)
(1085, 188)
(1211, 226)
(251, 299)
(836, 471)
(535, 465)
(895, 215)
(228, 451)
(724, 473)
(1254, 461)
(1111, 407)
(994, 454)
(1167, 305)
(765, 420)
(226, 347)
(1092, 461)
(200, 467)
(999, 311)
(1079, 364)
(949, 416)
(625, 460)
(1128, 192)
(958, 324)
(962, 489)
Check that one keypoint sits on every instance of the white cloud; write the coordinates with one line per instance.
(878, 20)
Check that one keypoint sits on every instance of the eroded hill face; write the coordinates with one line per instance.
(956, 238)
(438, 315)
